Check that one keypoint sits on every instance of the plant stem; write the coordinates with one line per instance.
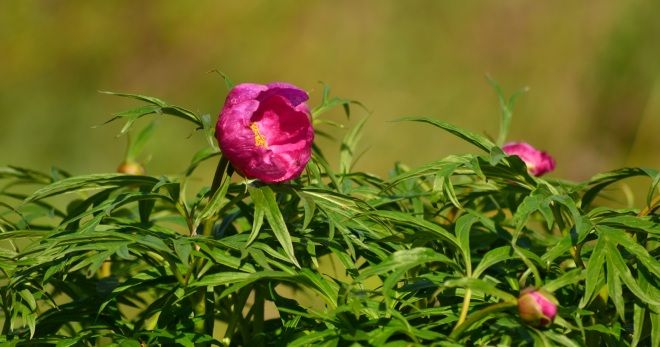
(210, 312)
(199, 307)
(652, 206)
(258, 317)
(479, 315)
(464, 308)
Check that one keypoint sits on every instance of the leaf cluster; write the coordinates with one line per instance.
(433, 255)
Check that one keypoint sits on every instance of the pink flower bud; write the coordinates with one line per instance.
(266, 131)
(538, 162)
(537, 308)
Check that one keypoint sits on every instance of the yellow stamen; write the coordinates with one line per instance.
(259, 140)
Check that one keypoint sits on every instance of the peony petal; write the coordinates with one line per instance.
(244, 92)
(538, 162)
(295, 95)
(280, 123)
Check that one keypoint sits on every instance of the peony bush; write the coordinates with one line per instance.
(282, 248)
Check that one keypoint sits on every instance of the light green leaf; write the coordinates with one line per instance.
(201, 155)
(639, 314)
(275, 220)
(614, 291)
(567, 278)
(480, 141)
(407, 219)
(622, 238)
(480, 286)
(260, 207)
(463, 228)
(87, 182)
(404, 260)
(506, 108)
(594, 271)
(136, 145)
(618, 265)
(349, 145)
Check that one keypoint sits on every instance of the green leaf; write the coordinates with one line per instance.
(506, 108)
(217, 200)
(622, 238)
(639, 314)
(594, 271)
(567, 278)
(480, 286)
(135, 146)
(349, 145)
(644, 224)
(309, 207)
(28, 298)
(148, 99)
(480, 141)
(614, 290)
(328, 103)
(440, 168)
(562, 340)
(463, 228)
(655, 327)
(312, 338)
(162, 107)
(229, 84)
(600, 181)
(492, 257)
(618, 265)
(328, 289)
(404, 260)
(275, 219)
(202, 155)
(225, 278)
(182, 248)
(88, 182)
(407, 219)
(260, 207)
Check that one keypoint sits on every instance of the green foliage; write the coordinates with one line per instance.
(434, 255)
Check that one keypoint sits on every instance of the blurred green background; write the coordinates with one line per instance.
(593, 69)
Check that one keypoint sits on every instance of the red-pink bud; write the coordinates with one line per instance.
(266, 131)
(537, 308)
(538, 162)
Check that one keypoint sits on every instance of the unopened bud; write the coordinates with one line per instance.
(131, 168)
(537, 308)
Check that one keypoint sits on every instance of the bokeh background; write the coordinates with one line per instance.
(593, 69)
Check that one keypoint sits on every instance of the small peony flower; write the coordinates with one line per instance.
(537, 308)
(266, 131)
(538, 162)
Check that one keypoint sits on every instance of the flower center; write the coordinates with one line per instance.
(259, 140)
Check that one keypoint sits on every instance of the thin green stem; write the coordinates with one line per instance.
(199, 308)
(258, 317)
(464, 308)
(210, 312)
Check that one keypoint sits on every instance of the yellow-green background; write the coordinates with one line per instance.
(593, 69)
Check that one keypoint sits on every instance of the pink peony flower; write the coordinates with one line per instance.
(265, 131)
(537, 308)
(538, 162)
